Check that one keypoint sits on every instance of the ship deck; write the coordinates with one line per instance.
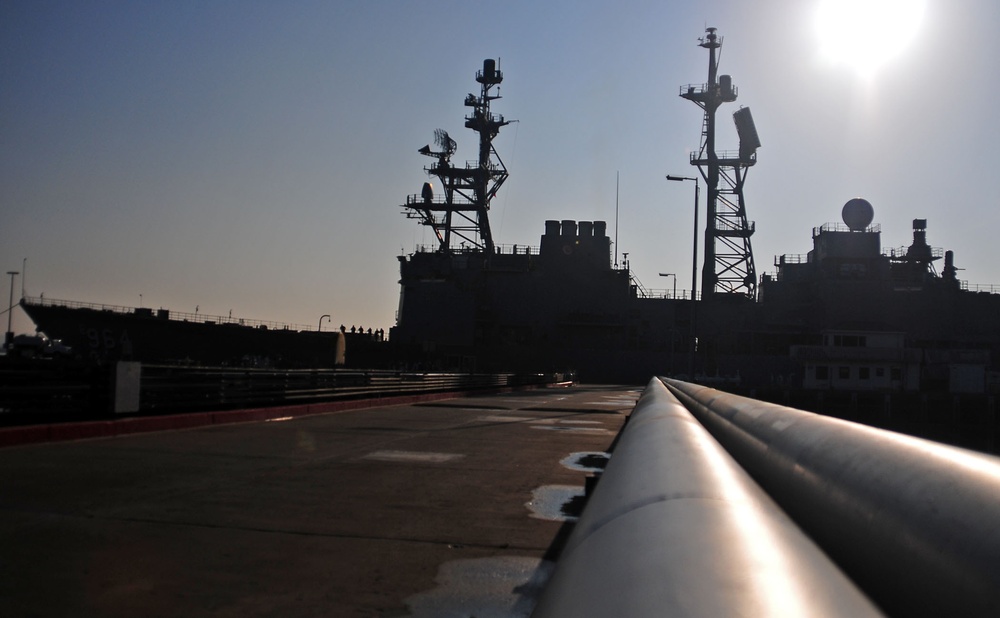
(449, 507)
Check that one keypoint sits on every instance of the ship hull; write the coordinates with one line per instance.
(104, 336)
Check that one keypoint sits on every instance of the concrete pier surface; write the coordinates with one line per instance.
(446, 508)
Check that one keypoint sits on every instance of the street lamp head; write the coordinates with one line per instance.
(679, 178)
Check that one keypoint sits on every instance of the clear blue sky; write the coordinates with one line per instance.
(252, 156)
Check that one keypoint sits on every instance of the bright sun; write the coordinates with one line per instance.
(865, 34)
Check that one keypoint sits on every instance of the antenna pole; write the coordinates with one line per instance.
(617, 176)
(728, 267)
(462, 217)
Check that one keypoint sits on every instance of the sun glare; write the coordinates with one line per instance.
(866, 34)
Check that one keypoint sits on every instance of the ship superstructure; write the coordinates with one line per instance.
(471, 303)
(847, 315)
(859, 317)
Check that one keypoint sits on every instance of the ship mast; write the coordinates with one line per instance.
(728, 266)
(461, 215)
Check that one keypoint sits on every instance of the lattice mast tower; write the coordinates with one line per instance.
(461, 215)
(728, 266)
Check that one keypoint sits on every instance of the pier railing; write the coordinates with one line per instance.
(48, 392)
(166, 388)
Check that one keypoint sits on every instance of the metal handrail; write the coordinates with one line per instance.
(842, 227)
(979, 287)
(701, 88)
(668, 294)
(724, 155)
(791, 258)
(901, 252)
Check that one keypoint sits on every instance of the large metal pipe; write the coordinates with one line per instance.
(915, 523)
(676, 528)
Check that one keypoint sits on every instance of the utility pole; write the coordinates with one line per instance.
(9, 335)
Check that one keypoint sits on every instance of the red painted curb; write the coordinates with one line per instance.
(24, 435)
(59, 432)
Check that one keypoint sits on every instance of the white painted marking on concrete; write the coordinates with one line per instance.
(590, 430)
(504, 419)
(616, 403)
(413, 456)
(562, 421)
(502, 586)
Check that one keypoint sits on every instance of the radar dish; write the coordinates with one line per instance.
(858, 214)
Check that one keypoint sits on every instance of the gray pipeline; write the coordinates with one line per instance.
(915, 523)
(676, 528)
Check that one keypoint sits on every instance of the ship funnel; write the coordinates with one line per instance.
(950, 271)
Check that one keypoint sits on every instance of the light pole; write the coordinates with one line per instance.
(674, 295)
(694, 252)
(9, 335)
(672, 326)
(320, 327)
(694, 268)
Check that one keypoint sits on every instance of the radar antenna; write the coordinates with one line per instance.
(729, 266)
(463, 211)
(444, 142)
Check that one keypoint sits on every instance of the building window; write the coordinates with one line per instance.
(850, 341)
(822, 372)
(844, 373)
(864, 373)
(880, 372)
(897, 374)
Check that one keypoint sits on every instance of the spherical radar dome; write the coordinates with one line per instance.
(858, 214)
